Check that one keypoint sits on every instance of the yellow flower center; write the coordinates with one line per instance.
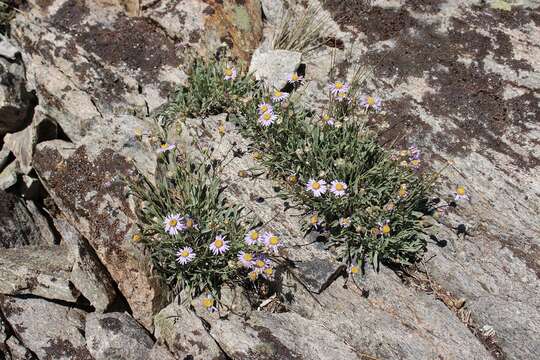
(354, 269)
(136, 237)
(371, 100)
(339, 85)
(228, 72)
(260, 264)
(314, 219)
(326, 117)
(173, 222)
(184, 253)
(264, 108)
(254, 235)
(277, 93)
(460, 190)
(218, 243)
(386, 229)
(294, 77)
(253, 276)
(248, 257)
(189, 223)
(164, 146)
(208, 302)
(269, 271)
(415, 162)
(402, 190)
(274, 240)
(316, 185)
(339, 187)
(267, 116)
(293, 179)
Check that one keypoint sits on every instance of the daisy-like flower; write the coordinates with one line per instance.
(267, 118)
(185, 255)
(371, 102)
(317, 187)
(415, 164)
(190, 223)
(253, 237)
(268, 273)
(345, 222)
(314, 220)
(265, 107)
(165, 147)
(253, 275)
(294, 78)
(339, 87)
(353, 269)
(414, 153)
(272, 242)
(342, 96)
(219, 245)
(402, 192)
(279, 96)
(208, 303)
(460, 194)
(246, 259)
(385, 228)
(338, 187)
(328, 120)
(230, 73)
(261, 263)
(173, 224)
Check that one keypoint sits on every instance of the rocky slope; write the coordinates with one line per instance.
(80, 80)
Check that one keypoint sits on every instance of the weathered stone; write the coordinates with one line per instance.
(49, 330)
(5, 155)
(274, 66)
(206, 25)
(16, 351)
(88, 275)
(8, 176)
(40, 271)
(184, 333)
(15, 101)
(117, 336)
(21, 144)
(273, 10)
(160, 352)
(8, 50)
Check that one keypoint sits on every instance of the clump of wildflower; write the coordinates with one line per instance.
(339, 87)
(173, 224)
(165, 147)
(230, 73)
(272, 242)
(317, 187)
(267, 119)
(338, 188)
(208, 303)
(219, 246)
(265, 107)
(294, 78)
(371, 102)
(252, 237)
(460, 194)
(279, 96)
(185, 255)
(345, 222)
(246, 259)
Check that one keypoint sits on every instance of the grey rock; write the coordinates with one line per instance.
(274, 66)
(117, 336)
(49, 330)
(21, 144)
(7, 49)
(88, 274)
(40, 271)
(4, 157)
(184, 333)
(15, 101)
(17, 351)
(160, 352)
(273, 10)
(48, 237)
(9, 176)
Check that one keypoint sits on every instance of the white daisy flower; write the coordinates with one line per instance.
(267, 119)
(339, 87)
(345, 222)
(246, 259)
(460, 194)
(208, 303)
(261, 263)
(317, 187)
(173, 224)
(165, 147)
(230, 73)
(385, 228)
(328, 120)
(279, 96)
(185, 255)
(272, 242)
(252, 237)
(294, 78)
(338, 187)
(342, 96)
(265, 107)
(219, 246)
(371, 102)
(268, 273)
(253, 275)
